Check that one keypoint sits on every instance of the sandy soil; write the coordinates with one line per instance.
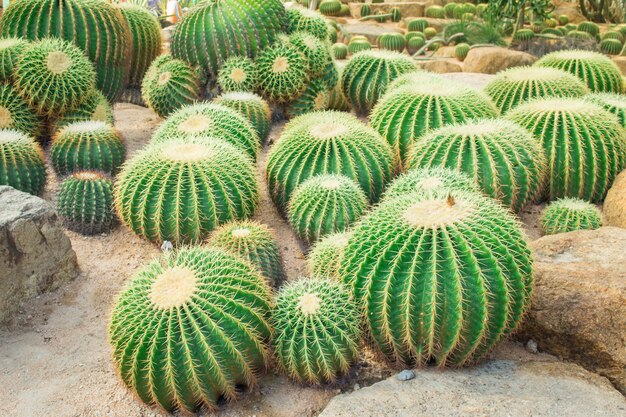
(55, 358)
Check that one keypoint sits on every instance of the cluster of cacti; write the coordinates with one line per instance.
(316, 330)
(514, 86)
(282, 71)
(441, 277)
(15, 113)
(392, 41)
(60, 67)
(256, 243)
(85, 202)
(195, 186)
(315, 97)
(430, 179)
(237, 27)
(596, 70)
(328, 142)
(170, 84)
(570, 214)
(366, 76)
(325, 204)
(409, 110)
(614, 103)
(96, 27)
(87, 145)
(325, 256)
(330, 7)
(22, 163)
(190, 327)
(339, 51)
(238, 73)
(95, 107)
(502, 158)
(253, 107)
(205, 121)
(10, 51)
(583, 143)
(305, 20)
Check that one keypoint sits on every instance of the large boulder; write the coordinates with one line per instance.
(614, 210)
(579, 307)
(35, 254)
(493, 59)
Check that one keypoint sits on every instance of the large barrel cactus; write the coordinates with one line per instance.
(194, 186)
(22, 163)
(583, 143)
(614, 103)
(316, 52)
(95, 26)
(15, 113)
(441, 277)
(190, 327)
(218, 29)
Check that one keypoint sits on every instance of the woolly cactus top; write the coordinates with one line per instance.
(13, 136)
(87, 126)
(562, 105)
(6, 43)
(536, 74)
(383, 54)
(88, 175)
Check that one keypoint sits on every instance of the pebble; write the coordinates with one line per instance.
(405, 375)
(531, 346)
(357, 387)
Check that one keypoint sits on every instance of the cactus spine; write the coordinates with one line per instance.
(282, 73)
(253, 107)
(16, 114)
(22, 163)
(325, 256)
(10, 51)
(237, 74)
(614, 103)
(95, 107)
(570, 214)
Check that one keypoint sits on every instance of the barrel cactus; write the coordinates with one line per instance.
(417, 25)
(253, 107)
(589, 27)
(583, 143)
(328, 142)
(570, 214)
(435, 12)
(22, 163)
(359, 45)
(596, 70)
(316, 330)
(336, 99)
(512, 87)
(10, 52)
(367, 75)
(282, 73)
(206, 120)
(524, 35)
(614, 103)
(95, 107)
(461, 50)
(15, 113)
(611, 46)
(325, 204)
(85, 202)
(442, 277)
(189, 327)
(195, 186)
(314, 98)
(238, 27)
(330, 7)
(392, 41)
(305, 20)
(427, 180)
(170, 84)
(339, 51)
(365, 10)
(315, 51)
(237, 74)
(407, 112)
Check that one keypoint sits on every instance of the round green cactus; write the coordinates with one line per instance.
(256, 243)
(441, 277)
(87, 145)
(336, 99)
(325, 204)
(22, 163)
(305, 20)
(325, 256)
(449, 9)
(570, 214)
(15, 113)
(461, 50)
(417, 25)
(330, 7)
(206, 120)
(10, 52)
(427, 180)
(414, 44)
(195, 186)
(339, 51)
(596, 70)
(502, 158)
(614, 103)
(579, 35)
(614, 34)
(315, 51)
(409, 111)
(316, 330)
(430, 33)
(435, 12)
(524, 35)
(191, 326)
(583, 144)
(85, 202)
(551, 31)
(328, 142)
(253, 107)
(314, 98)
(589, 27)
(233, 27)
(514, 86)
(366, 10)
(95, 107)
(367, 75)
(392, 41)
(396, 15)
(170, 84)
(145, 32)
(62, 68)
(237, 74)
(282, 73)
(563, 20)
(358, 45)
(611, 46)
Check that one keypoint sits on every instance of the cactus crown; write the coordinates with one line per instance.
(282, 72)
(237, 74)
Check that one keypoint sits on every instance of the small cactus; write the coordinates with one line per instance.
(282, 73)
(417, 25)
(237, 74)
(570, 214)
(589, 27)
(253, 107)
(524, 35)
(314, 98)
(330, 7)
(22, 163)
(392, 41)
(11, 50)
(396, 15)
(16, 114)
(359, 45)
(611, 46)
(314, 50)
(325, 255)
(435, 12)
(305, 20)
(428, 180)
(339, 51)
(461, 50)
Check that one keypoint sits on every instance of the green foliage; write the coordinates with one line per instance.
(305, 20)
(237, 74)
(22, 163)
(339, 51)
(85, 202)
(191, 326)
(614, 103)
(474, 33)
(513, 12)
(254, 242)
(429, 180)
(282, 71)
(315, 51)
(87, 145)
(441, 277)
(316, 330)
(392, 41)
(325, 256)
(325, 204)
(253, 107)
(195, 186)
(328, 143)
(315, 97)
(10, 51)
(95, 107)
(570, 214)
(563, 125)
(16, 114)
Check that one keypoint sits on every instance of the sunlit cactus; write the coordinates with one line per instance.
(10, 51)
(305, 20)
(95, 107)
(428, 180)
(253, 107)
(282, 71)
(315, 51)
(314, 98)
(237, 74)
(570, 214)
(22, 163)
(614, 103)
(325, 256)
(16, 114)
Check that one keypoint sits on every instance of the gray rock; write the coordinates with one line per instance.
(405, 375)
(35, 254)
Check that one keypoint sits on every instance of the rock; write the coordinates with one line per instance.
(518, 384)
(531, 346)
(614, 210)
(493, 59)
(445, 52)
(621, 63)
(579, 305)
(470, 78)
(405, 375)
(35, 254)
(441, 65)
(370, 30)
